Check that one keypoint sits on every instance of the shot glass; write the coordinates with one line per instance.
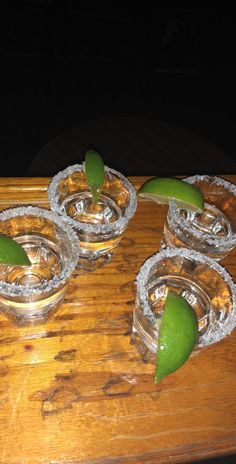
(99, 227)
(29, 294)
(214, 231)
(201, 280)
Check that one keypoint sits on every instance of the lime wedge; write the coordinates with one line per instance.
(95, 173)
(164, 189)
(12, 252)
(177, 335)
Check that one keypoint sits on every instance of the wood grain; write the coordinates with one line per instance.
(75, 391)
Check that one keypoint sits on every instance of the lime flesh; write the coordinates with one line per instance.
(177, 336)
(95, 173)
(164, 189)
(12, 252)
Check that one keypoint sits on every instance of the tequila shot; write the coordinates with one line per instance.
(201, 280)
(99, 226)
(212, 232)
(29, 294)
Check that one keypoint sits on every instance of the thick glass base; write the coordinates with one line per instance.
(91, 262)
(30, 313)
(179, 239)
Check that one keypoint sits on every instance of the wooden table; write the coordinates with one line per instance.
(75, 391)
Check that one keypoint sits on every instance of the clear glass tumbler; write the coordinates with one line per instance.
(99, 227)
(204, 283)
(28, 294)
(214, 231)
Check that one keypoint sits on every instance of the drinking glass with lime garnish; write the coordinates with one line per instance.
(201, 214)
(38, 254)
(98, 203)
(184, 301)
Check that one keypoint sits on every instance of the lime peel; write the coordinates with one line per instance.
(95, 173)
(165, 189)
(11, 252)
(177, 336)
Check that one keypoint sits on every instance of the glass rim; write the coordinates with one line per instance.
(14, 290)
(83, 226)
(148, 265)
(175, 218)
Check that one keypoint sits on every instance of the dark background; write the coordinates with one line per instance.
(67, 62)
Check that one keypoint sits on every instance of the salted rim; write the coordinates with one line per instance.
(58, 280)
(220, 331)
(83, 226)
(175, 218)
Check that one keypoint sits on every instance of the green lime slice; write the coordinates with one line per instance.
(164, 189)
(12, 252)
(177, 335)
(95, 173)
